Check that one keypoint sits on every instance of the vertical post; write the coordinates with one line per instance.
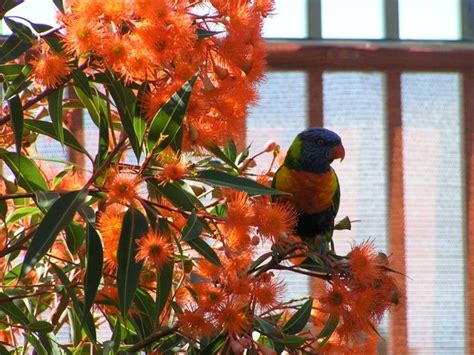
(392, 29)
(315, 97)
(398, 338)
(467, 13)
(314, 19)
(77, 128)
(468, 102)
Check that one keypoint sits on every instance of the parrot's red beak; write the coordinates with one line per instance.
(338, 152)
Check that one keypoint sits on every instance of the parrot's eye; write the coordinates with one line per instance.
(319, 142)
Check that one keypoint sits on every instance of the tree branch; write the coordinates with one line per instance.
(152, 338)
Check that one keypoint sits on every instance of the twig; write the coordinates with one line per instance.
(152, 338)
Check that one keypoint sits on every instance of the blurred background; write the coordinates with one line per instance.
(395, 78)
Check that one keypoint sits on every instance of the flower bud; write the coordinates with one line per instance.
(270, 146)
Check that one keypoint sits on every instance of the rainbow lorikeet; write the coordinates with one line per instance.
(312, 185)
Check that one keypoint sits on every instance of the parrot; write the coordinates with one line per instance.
(311, 184)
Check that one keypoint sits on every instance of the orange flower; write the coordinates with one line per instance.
(195, 323)
(239, 211)
(82, 36)
(237, 239)
(273, 219)
(110, 227)
(174, 166)
(337, 299)
(364, 263)
(50, 69)
(209, 296)
(123, 188)
(232, 317)
(266, 291)
(155, 248)
(115, 52)
(208, 270)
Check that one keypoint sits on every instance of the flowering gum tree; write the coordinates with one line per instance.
(164, 237)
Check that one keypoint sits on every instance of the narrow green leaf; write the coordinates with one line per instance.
(20, 83)
(45, 199)
(22, 31)
(268, 328)
(165, 282)
(299, 320)
(214, 149)
(139, 123)
(59, 5)
(56, 219)
(16, 114)
(3, 350)
(52, 39)
(344, 223)
(55, 108)
(22, 212)
(75, 235)
(12, 276)
(103, 140)
(222, 179)
(25, 170)
(39, 348)
(84, 93)
(47, 128)
(6, 5)
(192, 228)
(10, 308)
(89, 326)
(95, 262)
(41, 326)
(178, 194)
(205, 250)
(329, 328)
(292, 341)
(12, 48)
(10, 71)
(214, 345)
(168, 121)
(128, 272)
(203, 33)
(125, 101)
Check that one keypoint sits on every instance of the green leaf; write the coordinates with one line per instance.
(292, 341)
(47, 128)
(56, 219)
(299, 320)
(52, 39)
(344, 223)
(10, 308)
(59, 5)
(312, 264)
(95, 263)
(12, 48)
(214, 345)
(39, 348)
(25, 170)
(20, 83)
(222, 179)
(128, 272)
(168, 121)
(41, 326)
(165, 282)
(329, 327)
(192, 228)
(6, 5)
(103, 140)
(178, 194)
(84, 93)
(3, 209)
(10, 71)
(45, 199)
(214, 149)
(268, 328)
(205, 250)
(20, 30)
(55, 108)
(16, 114)
(203, 33)
(125, 101)
(89, 325)
(75, 235)
(12, 275)
(22, 212)
(139, 123)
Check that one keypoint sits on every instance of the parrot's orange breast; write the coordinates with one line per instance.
(310, 193)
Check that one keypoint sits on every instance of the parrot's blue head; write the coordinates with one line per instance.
(314, 149)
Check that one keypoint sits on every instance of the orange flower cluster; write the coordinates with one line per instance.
(359, 300)
(165, 43)
(272, 221)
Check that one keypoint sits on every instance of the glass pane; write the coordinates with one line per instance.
(280, 115)
(431, 113)
(430, 19)
(37, 11)
(288, 21)
(352, 19)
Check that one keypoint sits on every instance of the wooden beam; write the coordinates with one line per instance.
(398, 338)
(468, 92)
(301, 55)
(315, 98)
(392, 28)
(77, 128)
